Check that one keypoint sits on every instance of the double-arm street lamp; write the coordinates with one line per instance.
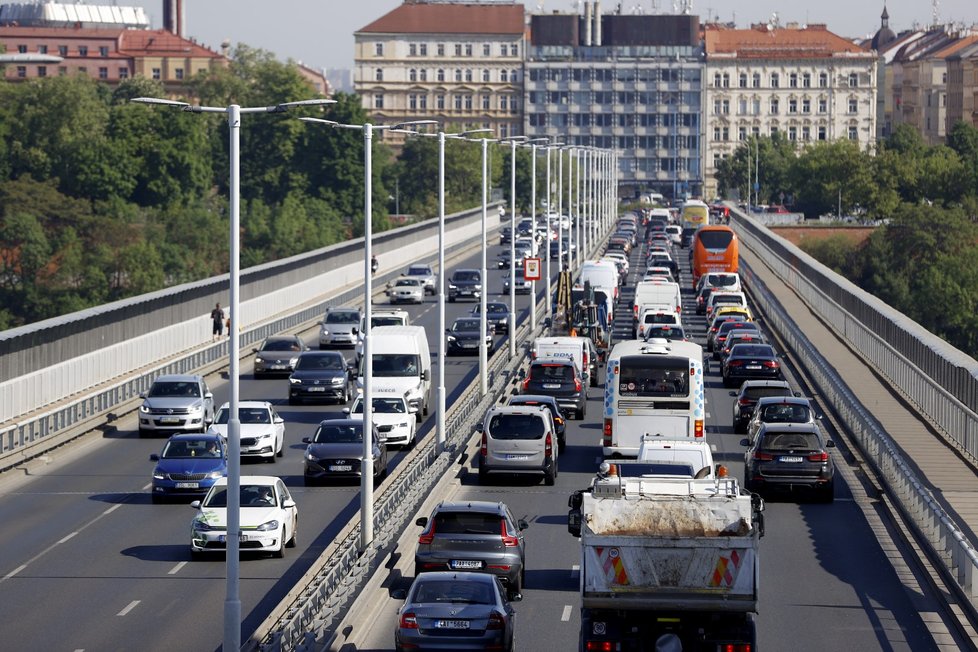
(533, 144)
(513, 141)
(366, 467)
(232, 600)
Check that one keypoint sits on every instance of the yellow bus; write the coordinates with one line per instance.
(695, 214)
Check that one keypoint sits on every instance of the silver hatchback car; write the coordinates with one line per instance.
(519, 439)
(780, 409)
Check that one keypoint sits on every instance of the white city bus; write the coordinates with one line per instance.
(653, 388)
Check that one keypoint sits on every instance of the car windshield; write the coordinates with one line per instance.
(251, 496)
(176, 388)
(466, 325)
(407, 282)
(721, 280)
(455, 591)
(382, 406)
(185, 448)
(516, 426)
(338, 434)
(418, 271)
(312, 362)
(785, 413)
(342, 317)
(465, 276)
(790, 441)
(280, 345)
(497, 308)
(245, 414)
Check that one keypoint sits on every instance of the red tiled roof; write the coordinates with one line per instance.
(954, 47)
(160, 42)
(437, 18)
(815, 41)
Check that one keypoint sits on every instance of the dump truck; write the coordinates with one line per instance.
(668, 561)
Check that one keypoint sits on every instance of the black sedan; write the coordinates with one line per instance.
(457, 611)
(320, 375)
(336, 451)
(497, 315)
(464, 336)
(789, 457)
(751, 361)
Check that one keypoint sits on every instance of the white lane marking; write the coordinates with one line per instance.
(147, 486)
(112, 509)
(129, 607)
(575, 570)
(176, 569)
(67, 537)
(14, 571)
(564, 617)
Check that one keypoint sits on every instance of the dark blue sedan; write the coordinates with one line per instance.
(188, 466)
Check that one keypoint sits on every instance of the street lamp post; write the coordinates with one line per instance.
(550, 209)
(366, 466)
(232, 600)
(512, 140)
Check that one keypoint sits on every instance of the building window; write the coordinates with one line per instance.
(806, 133)
(717, 80)
(423, 49)
(823, 80)
(378, 49)
(806, 80)
(514, 49)
(468, 102)
(742, 80)
(22, 71)
(458, 49)
(775, 106)
(42, 71)
(742, 133)
(504, 76)
(378, 101)
(458, 74)
(440, 102)
(423, 102)
(83, 70)
(485, 75)
(742, 106)
(412, 50)
(440, 49)
(823, 105)
(423, 75)
(775, 80)
(103, 50)
(413, 74)
(792, 105)
(83, 50)
(123, 72)
(726, 80)
(504, 128)
(157, 74)
(458, 102)
(486, 102)
(853, 105)
(22, 49)
(853, 80)
(725, 107)
(774, 130)
(379, 74)
(756, 106)
(63, 50)
(502, 49)
(792, 133)
(725, 133)
(413, 102)
(503, 103)
(756, 80)
(440, 75)
(178, 73)
(853, 133)
(716, 133)
(793, 80)
(806, 105)
(42, 49)
(468, 74)
(821, 133)
(513, 76)
(486, 50)
(468, 49)
(514, 105)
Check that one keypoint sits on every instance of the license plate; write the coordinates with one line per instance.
(754, 367)
(466, 563)
(345, 467)
(517, 457)
(317, 389)
(188, 485)
(452, 624)
(277, 366)
(551, 386)
(244, 537)
(169, 419)
(791, 459)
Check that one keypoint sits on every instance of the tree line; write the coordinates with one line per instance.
(103, 199)
(923, 259)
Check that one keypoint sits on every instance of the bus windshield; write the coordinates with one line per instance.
(653, 376)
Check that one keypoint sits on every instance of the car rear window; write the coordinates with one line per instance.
(729, 299)
(555, 372)
(752, 350)
(760, 392)
(716, 239)
(465, 592)
(516, 426)
(790, 441)
(467, 523)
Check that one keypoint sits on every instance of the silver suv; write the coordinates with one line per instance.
(425, 274)
(518, 439)
(176, 403)
(473, 536)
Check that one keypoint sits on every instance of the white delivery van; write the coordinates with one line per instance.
(685, 457)
(402, 363)
(649, 294)
(579, 349)
(655, 316)
(601, 274)
(384, 317)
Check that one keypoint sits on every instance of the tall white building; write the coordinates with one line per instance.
(805, 83)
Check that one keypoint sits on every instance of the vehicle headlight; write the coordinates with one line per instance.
(324, 331)
(295, 381)
(199, 405)
(268, 527)
(264, 435)
(339, 380)
(311, 457)
(258, 359)
(158, 475)
(144, 408)
(201, 526)
(452, 286)
(451, 338)
(292, 361)
(404, 424)
(214, 475)
(478, 286)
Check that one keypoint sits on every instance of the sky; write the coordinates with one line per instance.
(319, 33)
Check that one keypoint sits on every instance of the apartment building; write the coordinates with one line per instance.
(455, 62)
(628, 82)
(962, 87)
(803, 82)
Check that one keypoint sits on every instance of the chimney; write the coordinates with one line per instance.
(173, 17)
(588, 14)
(597, 23)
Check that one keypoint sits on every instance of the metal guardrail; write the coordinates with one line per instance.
(936, 526)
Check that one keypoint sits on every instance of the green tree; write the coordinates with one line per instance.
(827, 174)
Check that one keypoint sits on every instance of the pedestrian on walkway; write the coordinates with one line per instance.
(217, 319)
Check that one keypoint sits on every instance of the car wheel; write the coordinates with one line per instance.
(291, 543)
(551, 478)
(517, 588)
(451, 299)
(143, 433)
(196, 555)
(156, 498)
(281, 449)
(281, 545)
(308, 482)
(579, 414)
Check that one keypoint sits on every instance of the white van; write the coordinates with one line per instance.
(724, 299)
(656, 316)
(679, 457)
(579, 349)
(657, 294)
(378, 318)
(601, 274)
(402, 362)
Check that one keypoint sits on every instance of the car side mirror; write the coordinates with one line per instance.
(574, 522)
(830, 443)
(142, 394)
(399, 594)
(305, 440)
(478, 427)
(517, 597)
(425, 375)
(279, 420)
(797, 394)
(423, 521)
(346, 410)
(354, 330)
(287, 503)
(733, 393)
(154, 458)
(521, 373)
(522, 524)
(195, 504)
(254, 350)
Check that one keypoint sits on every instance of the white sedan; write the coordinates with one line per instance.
(406, 290)
(269, 517)
(262, 429)
(391, 415)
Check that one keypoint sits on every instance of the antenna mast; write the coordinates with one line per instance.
(936, 11)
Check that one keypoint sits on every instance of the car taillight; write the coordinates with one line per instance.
(508, 541)
(606, 434)
(548, 446)
(735, 647)
(599, 646)
(496, 621)
(427, 538)
(577, 384)
(771, 364)
(485, 446)
(819, 457)
(743, 401)
(526, 383)
(735, 363)
(763, 457)
(698, 428)
(585, 359)
(409, 620)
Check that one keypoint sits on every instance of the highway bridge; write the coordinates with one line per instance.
(92, 564)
